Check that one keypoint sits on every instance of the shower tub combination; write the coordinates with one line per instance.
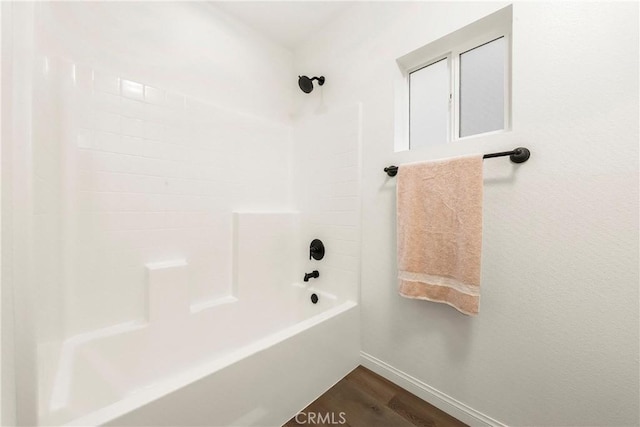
(158, 255)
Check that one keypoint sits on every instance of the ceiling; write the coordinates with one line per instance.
(288, 23)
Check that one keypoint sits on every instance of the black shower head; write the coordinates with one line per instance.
(306, 83)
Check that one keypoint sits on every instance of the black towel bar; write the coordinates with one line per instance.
(519, 155)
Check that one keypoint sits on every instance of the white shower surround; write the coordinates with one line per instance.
(127, 167)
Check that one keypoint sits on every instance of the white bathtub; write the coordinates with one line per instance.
(251, 370)
(252, 357)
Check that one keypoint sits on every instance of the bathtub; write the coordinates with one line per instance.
(253, 356)
(252, 369)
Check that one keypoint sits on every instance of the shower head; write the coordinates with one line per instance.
(306, 83)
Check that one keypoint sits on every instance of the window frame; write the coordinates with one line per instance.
(451, 46)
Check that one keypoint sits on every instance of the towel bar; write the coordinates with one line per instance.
(519, 155)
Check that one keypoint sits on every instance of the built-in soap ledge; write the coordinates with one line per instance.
(167, 290)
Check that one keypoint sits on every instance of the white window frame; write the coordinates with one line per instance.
(451, 46)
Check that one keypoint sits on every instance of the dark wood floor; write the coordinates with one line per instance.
(365, 399)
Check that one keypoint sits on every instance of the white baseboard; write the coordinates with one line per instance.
(424, 391)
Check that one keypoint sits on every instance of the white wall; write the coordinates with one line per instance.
(2, 364)
(556, 340)
(18, 360)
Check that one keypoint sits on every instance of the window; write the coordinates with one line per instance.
(482, 93)
(429, 104)
(457, 86)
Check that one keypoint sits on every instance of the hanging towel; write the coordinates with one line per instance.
(439, 207)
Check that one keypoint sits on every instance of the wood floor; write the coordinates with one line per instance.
(365, 399)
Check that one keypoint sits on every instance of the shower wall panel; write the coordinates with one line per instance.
(327, 190)
(127, 174)
(188, 47)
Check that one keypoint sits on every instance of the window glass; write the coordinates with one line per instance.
(482, 81)
(429, 105)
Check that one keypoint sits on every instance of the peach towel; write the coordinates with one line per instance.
(440, 231)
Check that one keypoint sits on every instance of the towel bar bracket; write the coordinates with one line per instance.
(519, 155)
(391, 170)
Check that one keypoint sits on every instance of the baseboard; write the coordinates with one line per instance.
(424, 391)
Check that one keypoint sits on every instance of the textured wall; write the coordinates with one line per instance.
(556, 340)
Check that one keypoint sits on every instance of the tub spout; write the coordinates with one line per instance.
(313, 275)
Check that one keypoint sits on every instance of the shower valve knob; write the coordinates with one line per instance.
(316, 249)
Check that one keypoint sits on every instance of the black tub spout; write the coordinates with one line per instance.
(313, 275)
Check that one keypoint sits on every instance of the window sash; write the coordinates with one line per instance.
(421, 144)
(472, 44)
